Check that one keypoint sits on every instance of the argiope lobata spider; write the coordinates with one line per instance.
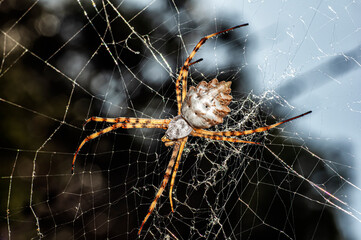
(201, 107)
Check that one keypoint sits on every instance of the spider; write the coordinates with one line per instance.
(200, 108)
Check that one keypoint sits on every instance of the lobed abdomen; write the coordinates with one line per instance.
(207, 104)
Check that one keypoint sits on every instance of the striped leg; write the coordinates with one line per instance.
(127, 120)
(222, 138)
(205, 133)
(184, 84)
(164, 183)
(183, 143)
(115, 126)
(184, 70)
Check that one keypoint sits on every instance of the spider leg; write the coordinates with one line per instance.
(113, 127)
(240, 133)
(127, 120)
(222, 138)
(164, 183)
(197, 61)
(183, 143)
(184, 70)
(177, 87)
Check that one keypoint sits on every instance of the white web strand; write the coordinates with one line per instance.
(322, 190)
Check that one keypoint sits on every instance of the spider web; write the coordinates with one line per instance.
(65, 61)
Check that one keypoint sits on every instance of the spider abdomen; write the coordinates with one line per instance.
(207, 104)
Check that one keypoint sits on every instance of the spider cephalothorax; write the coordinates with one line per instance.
(201, 107)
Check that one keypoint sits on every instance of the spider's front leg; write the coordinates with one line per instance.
(183, 74)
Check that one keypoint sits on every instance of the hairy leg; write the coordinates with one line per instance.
(240, 133)
(183, 143)
(163, 185)
(183, 74)
(111, 128)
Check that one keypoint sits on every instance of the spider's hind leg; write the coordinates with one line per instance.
(175, 169)
(163, 185)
